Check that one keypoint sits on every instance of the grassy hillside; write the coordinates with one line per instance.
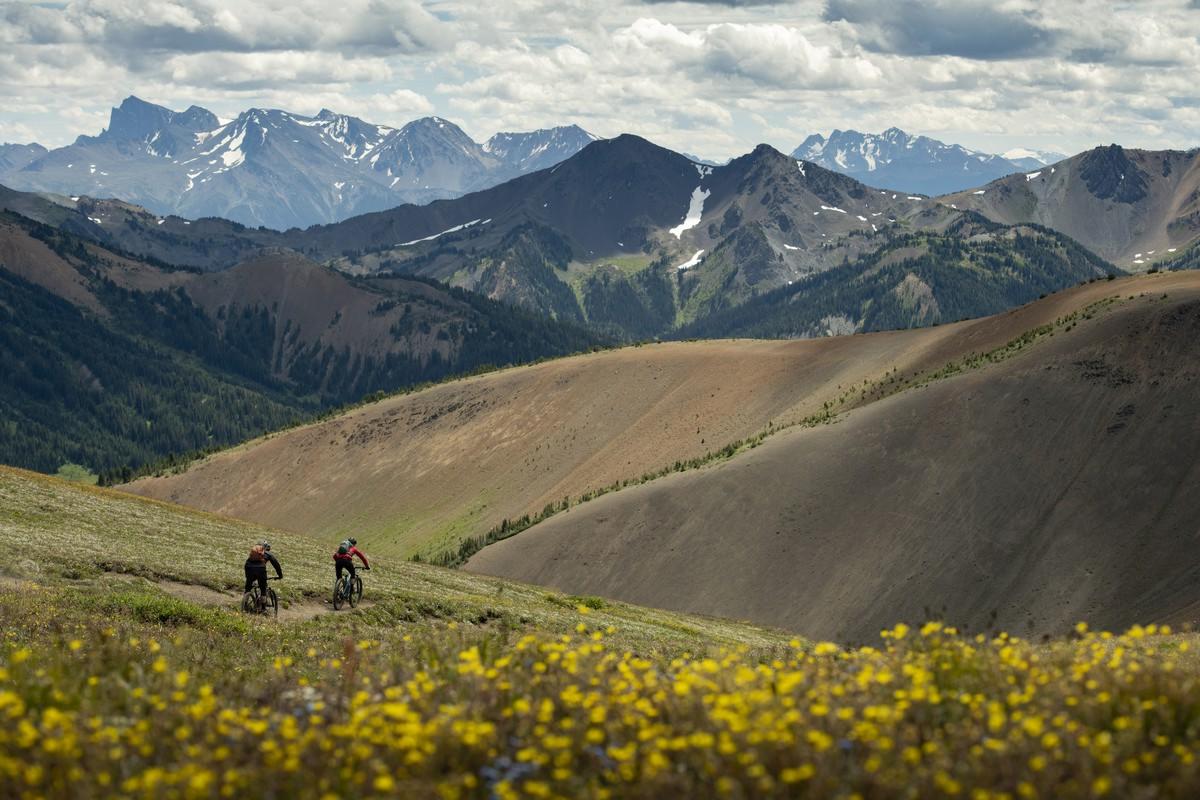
(103, 535)
(424, 472)
(452, 686)
(1021, 488)
(115, 362)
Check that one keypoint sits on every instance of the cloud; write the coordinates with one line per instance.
(708, 76)
(965, 28)
(782, 56)
(250, 70)
(197, 26)
(755, 53)
(398, 104)
(729, 3)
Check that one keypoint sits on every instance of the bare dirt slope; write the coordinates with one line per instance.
(417, 473)
(1060, 484)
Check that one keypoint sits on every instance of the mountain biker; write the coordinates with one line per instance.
(256, 567)
(344, 559)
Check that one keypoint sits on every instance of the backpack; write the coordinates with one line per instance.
(343, 549)
(257, 553)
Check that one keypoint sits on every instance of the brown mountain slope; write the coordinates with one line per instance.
(316, 309)
(1132, 207)
(115, 363)
(309, 326)
(418, 473)
(1057, 485)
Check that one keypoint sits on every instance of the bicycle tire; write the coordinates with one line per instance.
(350, 598)
(356, 591)
(272, 608)
(337, 594)
(249, 603)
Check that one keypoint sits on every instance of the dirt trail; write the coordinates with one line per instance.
(295, 611)
(194, 593)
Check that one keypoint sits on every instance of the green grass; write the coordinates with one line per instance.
(118, 692)
(456, 686)
(95, 533)
(578, 272)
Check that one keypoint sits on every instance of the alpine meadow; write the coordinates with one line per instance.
(698, 399)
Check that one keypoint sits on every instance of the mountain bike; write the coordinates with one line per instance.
(255, 602)
(347, 589)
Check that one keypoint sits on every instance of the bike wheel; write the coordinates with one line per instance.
(272, 608)
(249, 603)
(350, 595)
(337, 594)
(356, 597)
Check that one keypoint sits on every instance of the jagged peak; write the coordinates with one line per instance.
(133, 102)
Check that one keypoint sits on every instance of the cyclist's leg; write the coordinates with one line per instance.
(338, 566)
(260, 577)
(249, 578)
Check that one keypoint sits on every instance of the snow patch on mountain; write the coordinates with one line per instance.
(455, 229)
(694, 212)
(693, 261)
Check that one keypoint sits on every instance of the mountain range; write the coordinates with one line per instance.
(278, 169)
(917, 164)
(632, 239)
(623, 241)
(1132, 207)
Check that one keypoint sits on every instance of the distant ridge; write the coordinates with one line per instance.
(897, 160)
(275, 168)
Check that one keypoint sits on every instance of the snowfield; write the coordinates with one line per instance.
(694, 212)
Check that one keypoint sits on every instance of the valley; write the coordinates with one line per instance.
(422, 473)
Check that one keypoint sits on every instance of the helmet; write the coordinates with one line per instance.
(266, 546)
(353, 542)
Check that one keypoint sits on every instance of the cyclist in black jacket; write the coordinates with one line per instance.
(256, 567)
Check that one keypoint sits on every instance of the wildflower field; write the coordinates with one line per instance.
(115, 688)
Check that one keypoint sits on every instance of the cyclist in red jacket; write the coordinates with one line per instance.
(344, 559)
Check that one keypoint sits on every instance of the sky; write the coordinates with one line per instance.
(709, 78)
